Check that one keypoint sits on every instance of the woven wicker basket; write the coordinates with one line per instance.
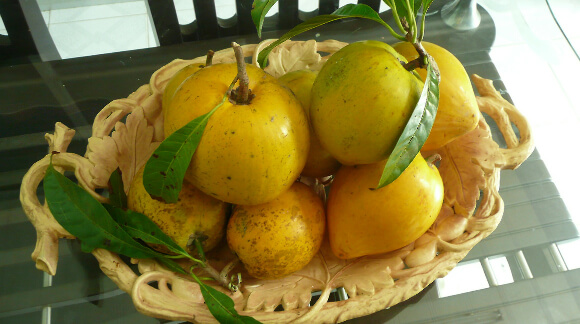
(470, 168)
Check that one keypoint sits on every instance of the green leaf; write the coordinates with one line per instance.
(347, 11)
(142, 227)
(413, 11)
(221, 306)
(171, 265)
(259, 10)
(425, 5)
(405, 10)
(117, 196)
(416, 131)
(84, 217)
(165, 170)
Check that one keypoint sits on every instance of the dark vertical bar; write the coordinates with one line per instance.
(244, 16)
(21, 41)
(205, 15)
(288, 14)
(326, 7)
(164, 18)
(375, 4)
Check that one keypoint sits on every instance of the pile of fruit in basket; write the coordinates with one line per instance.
(238, 141)
(340, 123)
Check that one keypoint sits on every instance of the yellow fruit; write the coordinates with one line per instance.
(195, 213)
(279, 237)
(458, 112)
(175, 82)
(362, 221)
(319, 163)
(249, 153)
(361, 101)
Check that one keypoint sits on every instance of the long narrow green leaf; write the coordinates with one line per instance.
(165, 170)
(171, 265)
(416, 131)
(117, 196)
(347, 11)
(425, 6)
(84, 217)
(222, 307)
(405, 9)
(402, 7)
(259, 10)
(142, 227)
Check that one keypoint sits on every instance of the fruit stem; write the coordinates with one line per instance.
(216, 275)
(226, 270)
(431, 160)
(209, 58)
(423, 60)
(242, 95)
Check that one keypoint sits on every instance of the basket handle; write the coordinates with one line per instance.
(504, 113)
(48, 230)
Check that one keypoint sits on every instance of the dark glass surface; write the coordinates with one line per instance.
(35, 95)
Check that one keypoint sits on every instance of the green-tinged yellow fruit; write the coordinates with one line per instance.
(175, 82)
(319, 163)
(279, 237)
(195, 214)
(362, 221)
(458, 112)
(249, 153)
(361, 101)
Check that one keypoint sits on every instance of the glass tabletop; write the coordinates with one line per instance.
(525, 271)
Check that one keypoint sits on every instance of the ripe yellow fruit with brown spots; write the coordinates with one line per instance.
(195, 214)
(458, 112)
(249, 153)
(363, 221)
(319, 163)
(279, 237)
(361, 101)
(175, 82)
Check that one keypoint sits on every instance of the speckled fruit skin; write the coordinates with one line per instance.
(194, 213)
(362, 221)
(320, 162)
(175, 82)
(361, 101)
(279, 237)
(458, 112)
(249, 154)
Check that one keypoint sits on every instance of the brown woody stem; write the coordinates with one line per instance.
(204, 264)
(431, 160)
(242, 93)
(216, 275)
(421, 61)
(209, 58)
(226, 270)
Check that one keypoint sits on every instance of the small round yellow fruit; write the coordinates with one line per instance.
(279, 237)
(195, 214)
(319, 163)
(175, 82)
